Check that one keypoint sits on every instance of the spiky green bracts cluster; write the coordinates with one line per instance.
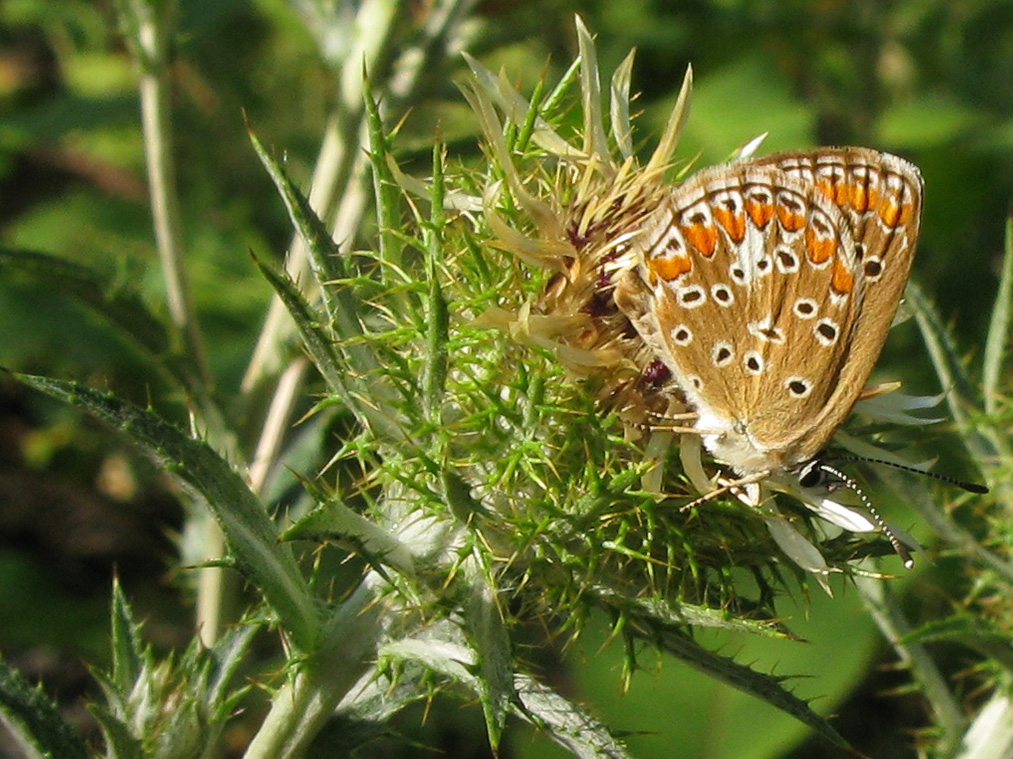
(571, 209)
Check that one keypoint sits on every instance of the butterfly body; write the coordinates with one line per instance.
(768, 287)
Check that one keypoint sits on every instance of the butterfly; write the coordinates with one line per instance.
(767, 288)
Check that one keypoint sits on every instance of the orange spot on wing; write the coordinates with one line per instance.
(819, 249)
(760, 213)
(825, 186)
(859, 197)
(873, 200)
(703, 237)
(734, 223)
(789, 219)
(894, 214)
(840, 193)
(843, 280)
(670, 268)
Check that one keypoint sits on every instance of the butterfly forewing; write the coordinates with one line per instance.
(768, 287)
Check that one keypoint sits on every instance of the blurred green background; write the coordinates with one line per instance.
(931, 80)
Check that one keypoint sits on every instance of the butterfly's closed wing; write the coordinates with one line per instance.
(768, 288)
(880, 196)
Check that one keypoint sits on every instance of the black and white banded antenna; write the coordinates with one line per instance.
(970, 487)
(811, 475)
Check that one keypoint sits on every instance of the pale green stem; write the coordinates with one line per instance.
(301, 707)
(276, 425)
(152, 28)
(156, 122)
(341, 154)
(949, 715)
(990, 735)
(211, 586)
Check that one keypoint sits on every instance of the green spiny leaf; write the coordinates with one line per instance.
(35, 720)
(566, 723)
(120, 742)
(437, 316)
(352, 391)
(488, 634)
(764, 687)
(319, 344)
(385, 187)
(335, 521)
(343, 308)
(650, 612)
(130, 657)
(251, 535)
(228, 654)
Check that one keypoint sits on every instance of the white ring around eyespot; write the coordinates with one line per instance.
(721, 287)
(801, 313)
(827, 339)
(683, 292)
(682, 342)
(749, 356)
(873, 277)
(727, 358)
(807, 383)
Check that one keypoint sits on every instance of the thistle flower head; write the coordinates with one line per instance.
(585, 200)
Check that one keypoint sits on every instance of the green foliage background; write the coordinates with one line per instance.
(931, 80)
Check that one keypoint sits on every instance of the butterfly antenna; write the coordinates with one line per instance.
(970, 487)
(880, 522)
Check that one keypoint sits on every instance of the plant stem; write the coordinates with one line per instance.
(277, 422)
(149, 28)
(154, 31)
(950, 719)
(301, 707)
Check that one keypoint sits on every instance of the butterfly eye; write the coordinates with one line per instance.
(657, 373)
(811, 475)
